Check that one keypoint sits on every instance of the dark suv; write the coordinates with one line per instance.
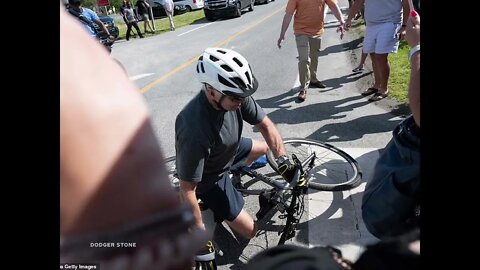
(110, 24)
(223, 8)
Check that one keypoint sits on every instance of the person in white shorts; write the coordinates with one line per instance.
(385, 27)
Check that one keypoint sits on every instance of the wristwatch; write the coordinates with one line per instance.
(282, 159)
(412, 51)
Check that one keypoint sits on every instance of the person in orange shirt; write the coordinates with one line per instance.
(308, 29)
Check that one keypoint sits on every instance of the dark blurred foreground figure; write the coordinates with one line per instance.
(114, 191)
(391, 201)
(399, 253)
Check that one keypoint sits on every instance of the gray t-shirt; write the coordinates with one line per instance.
(206, 139)
(383, 11)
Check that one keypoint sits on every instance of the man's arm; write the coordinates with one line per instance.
(406, 15)
(187, 194)
(338, 14)
(272, 136)
(414, 87)
(285, 23)
(104, 28)
(357, 5)
(413, 38)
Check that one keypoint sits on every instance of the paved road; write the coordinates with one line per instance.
(162, 67)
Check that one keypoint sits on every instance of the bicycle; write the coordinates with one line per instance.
(324, 167)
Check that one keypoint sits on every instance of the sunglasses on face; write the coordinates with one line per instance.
(232, 98)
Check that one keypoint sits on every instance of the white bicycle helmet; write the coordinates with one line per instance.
(227, 71)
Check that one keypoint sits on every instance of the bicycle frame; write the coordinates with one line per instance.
(278, 189)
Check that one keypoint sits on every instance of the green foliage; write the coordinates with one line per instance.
(399, 73)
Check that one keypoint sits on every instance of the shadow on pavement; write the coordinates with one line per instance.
(336, 109)
(341, 222)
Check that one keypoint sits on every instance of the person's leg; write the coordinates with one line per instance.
(315, 43)
(383, 72)
(303, 48)
(150, 25)
(361, 64)
(138, 29)
(248, 151)
(170, 18)
(244, 225)
(227, 205)
(363, 59)
(376, 71)
(387, 42)
(129, 29)
(369, 43)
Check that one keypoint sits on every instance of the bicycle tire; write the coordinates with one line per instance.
(334, 169)
(170, 165)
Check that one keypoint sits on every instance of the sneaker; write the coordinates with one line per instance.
(260, 162)
(318, 84)
(358, 69)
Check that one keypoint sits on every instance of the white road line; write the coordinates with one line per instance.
(195, 29)
(136, 77)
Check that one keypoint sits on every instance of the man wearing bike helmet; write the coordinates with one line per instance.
(88, 17)
(209, 142)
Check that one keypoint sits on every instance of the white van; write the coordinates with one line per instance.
(190, 4)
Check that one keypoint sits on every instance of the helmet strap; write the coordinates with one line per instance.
(219, 103)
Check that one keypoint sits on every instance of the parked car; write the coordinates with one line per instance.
(159, 11)
(190, 4)
(110, 24)
(223, 8)
(262, 1)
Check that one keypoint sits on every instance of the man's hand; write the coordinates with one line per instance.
(279, 41)
(287, 170)
(341, 29)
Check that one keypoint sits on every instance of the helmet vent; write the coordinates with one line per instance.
(220, 51)
(200, 58)
(238, 62)
(201, 66)
(213, 58)
(248, 78)
(225, 82)
(197, 68)
(227, 68)
(239, 82)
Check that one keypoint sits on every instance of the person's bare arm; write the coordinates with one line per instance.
(187, 194)
(285, 23)
(412, 36)
(414, 87)
(338, 14)
(272, 136)
(104, 28)
(357, 5)
(406, 15)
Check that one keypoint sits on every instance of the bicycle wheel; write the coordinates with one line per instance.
(172, 172)
(333, 169)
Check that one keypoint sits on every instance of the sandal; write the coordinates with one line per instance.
(370, 91)
(378, 96)
(358, 69)
(302, 95)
